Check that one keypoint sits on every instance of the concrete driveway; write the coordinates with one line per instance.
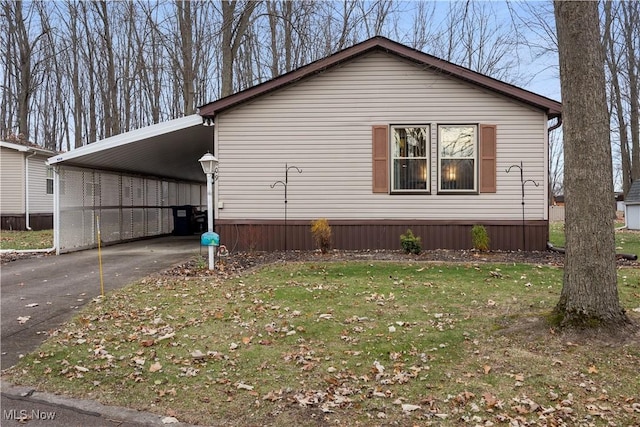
(40, 294)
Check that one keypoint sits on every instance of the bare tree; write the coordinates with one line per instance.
(589, 295)
(25, 65)
(236, 17)
(621, 29)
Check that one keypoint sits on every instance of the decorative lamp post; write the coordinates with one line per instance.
(209, 164)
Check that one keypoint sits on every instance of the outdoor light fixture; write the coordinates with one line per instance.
(209, 164)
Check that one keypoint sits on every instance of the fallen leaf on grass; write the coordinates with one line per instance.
(490, 400)
(23, 319)
(593, 369)
(406, 407)
(487, 369)
(242, 386)
(155, 367)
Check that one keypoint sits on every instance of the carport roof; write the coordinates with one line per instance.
(169, 149)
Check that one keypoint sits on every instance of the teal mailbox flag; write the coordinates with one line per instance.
(210, 239)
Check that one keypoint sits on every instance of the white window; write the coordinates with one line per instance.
(410, 148)
(49, 180)
(458, 158)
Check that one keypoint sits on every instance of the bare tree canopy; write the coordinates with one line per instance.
(76, 71)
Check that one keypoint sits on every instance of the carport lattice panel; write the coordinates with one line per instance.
(124, 206)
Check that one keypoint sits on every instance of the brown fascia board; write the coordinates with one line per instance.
(551, 107)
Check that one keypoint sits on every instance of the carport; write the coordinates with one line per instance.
(126, 186)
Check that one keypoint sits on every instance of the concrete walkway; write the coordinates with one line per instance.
(40, 294)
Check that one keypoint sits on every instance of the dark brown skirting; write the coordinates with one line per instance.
(42, 221)
(269, 235)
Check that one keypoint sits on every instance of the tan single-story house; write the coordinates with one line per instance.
(376, 138)
(26, 187)
(387, 138)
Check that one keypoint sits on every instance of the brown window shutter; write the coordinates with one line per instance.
(488, 158)
(380, 136)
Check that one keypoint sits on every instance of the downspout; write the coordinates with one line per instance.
(56, 220)
(55, 215)
(26, 191)
(556, 126)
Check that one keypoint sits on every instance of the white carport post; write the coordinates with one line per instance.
(210, 167)
(56, 208)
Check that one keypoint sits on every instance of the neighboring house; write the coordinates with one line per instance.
(387, 138)
(26, 187)
(632, 206)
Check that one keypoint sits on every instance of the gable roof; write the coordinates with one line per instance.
(633, 196)
(27, 148)
(552, 108)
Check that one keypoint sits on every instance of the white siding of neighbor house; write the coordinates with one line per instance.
(323, 126)
(11, 181)
(39, 200)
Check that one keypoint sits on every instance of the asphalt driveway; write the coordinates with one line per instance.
(40, 294)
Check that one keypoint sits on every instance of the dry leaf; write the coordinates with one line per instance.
(155, 367)
(246, 340)
(593, 369)
(242, 386)
(487, 369)
(490, 400)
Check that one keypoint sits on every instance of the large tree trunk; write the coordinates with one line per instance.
(589, 296)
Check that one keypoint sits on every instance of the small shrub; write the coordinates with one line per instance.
(410, 243)
(480, 238)
(321, 231)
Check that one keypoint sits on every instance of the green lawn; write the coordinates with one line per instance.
(358, 343)
(22, 240)
(627, 242)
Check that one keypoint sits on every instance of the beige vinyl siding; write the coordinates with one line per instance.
(323, 126)
(11, 181)
(39, 200)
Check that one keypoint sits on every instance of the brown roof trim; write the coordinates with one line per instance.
(551, 107)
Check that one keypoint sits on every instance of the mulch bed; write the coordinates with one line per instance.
(238, 262)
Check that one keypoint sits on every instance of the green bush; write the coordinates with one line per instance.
(480, 238)
(410, 243)
(321, 231)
